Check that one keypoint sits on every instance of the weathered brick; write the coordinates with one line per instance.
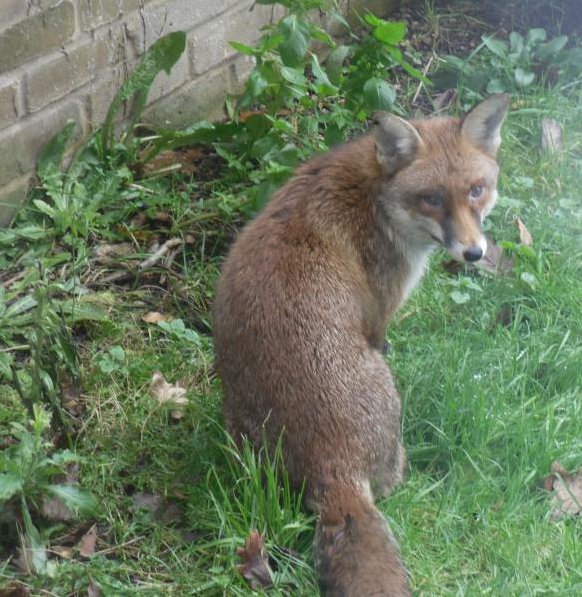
(8, 102)
(164, 83)
(12, 196)
(11, 11)
(203, 98)
(36, 35)
(55, 79)
(209, 44)
(23, 141)
(100, 95)
(94, 13)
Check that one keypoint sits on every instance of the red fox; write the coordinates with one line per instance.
(301, 310)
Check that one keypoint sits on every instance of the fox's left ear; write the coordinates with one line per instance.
(482, 125)
(397, 141)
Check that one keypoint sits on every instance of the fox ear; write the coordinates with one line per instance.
(397, 141)
(482, 125)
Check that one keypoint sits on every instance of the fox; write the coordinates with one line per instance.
(301, 309)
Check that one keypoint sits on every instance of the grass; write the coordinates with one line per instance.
(491, 389)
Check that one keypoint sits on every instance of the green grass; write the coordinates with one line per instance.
(491, 388)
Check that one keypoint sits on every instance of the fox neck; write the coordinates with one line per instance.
(396, 263)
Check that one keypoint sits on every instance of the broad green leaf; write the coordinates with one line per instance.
(516, 42)
(378, 95)
(498, 47)
(295, 76)
(52, 154)
(323, 82)
(242, 48)
(390, 32)
(161, 56)
(335, 61)
(372, 19)
(529, 279)
(33, 546)
(6, 360)
(523, 78)
(460, 297)
(549, 50)
(296, 43)
(44, 207)
(495, 86)
(10, 485)
(76, 499)
(26, 303)
(535, 35)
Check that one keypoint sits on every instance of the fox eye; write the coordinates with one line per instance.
(476, 191)
(433, 200)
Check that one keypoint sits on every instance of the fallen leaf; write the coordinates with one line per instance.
(567, 488)
(107, 252)
(93, 590)
(86, 545)
(444, 100)
(55, 509)
(525, 237)
(15, 589)
(551, 141)
(167, 393)
(154, 317)
(255, 567)
(62, 551)
(147, 501)
(494, 260)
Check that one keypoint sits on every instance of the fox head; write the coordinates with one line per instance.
(441, 176)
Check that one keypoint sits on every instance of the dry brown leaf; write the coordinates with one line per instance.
(147, 501)
(15, 589)
(86, 545)
(167, 393)
(55, 509)
(154, 317)
(567, 488)
(107, 252)
(551, 141)
(444, 100)
(93, 590)
(62, 551)
(494, 260)
(525, 237)
(255, 567)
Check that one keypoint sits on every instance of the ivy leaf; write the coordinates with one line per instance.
(378, 95)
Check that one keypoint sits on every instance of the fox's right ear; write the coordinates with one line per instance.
(397, 141)
(482, 125)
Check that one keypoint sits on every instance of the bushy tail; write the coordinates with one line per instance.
(355, 552)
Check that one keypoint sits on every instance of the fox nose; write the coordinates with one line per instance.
(473, 254)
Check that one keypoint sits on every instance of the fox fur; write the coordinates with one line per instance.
(302, 306)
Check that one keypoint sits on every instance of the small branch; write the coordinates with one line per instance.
(420, 84)
(155, 257)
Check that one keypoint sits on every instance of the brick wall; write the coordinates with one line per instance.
(65, 59)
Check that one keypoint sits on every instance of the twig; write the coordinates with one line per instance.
(155, 257)
(420, 84)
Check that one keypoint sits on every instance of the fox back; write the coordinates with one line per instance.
(301, 310)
